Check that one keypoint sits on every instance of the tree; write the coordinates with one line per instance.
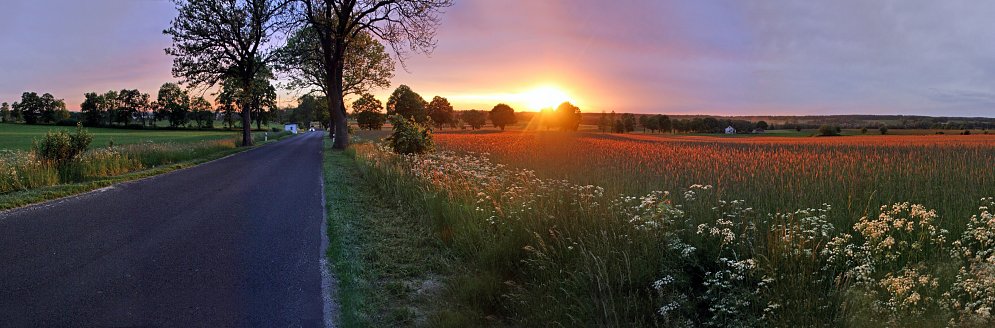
(261, 93)
(406, 103)
(604, 124)
(129, 102)
(35, 109)
(367, 64)
(402, 24)
(568, 116)
(108, 106)
(664, 123)
(474, 118)
(174, 104)
(828, 131)
(5, 113)
(502, 115)
(628, 122)
(202, 112)
(883, 129)
(649, 122)
(762, 125)
(310, 108)
(369, 112)
(219, 40)
(440, 111)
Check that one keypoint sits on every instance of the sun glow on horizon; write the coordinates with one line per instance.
(542, 97)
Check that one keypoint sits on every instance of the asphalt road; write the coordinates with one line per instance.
(231, 243)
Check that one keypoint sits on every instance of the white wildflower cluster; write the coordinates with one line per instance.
(692, 193)
(972, 296)
(803, 232)
(653, 211)
(736, 225)
(735, 292)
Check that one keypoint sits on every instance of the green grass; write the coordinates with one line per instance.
(390, 267)
(32, 181)
(20, 136)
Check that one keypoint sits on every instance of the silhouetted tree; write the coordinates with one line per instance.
(406, 103)
(474, 118)
(34, 109)
(568, 116)
(664, 123)
(90, 109)
(402, 24)
(762, 125)
(628, 122)
(604, 124)
(174, 104)
(440, 111)
(502, 115)
(368, 112)
(202, 112)
(5, 114)
(219, 40)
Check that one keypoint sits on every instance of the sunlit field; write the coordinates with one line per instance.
(594, 229)
(853, 173)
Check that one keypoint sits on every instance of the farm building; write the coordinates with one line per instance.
(730, 130)
(290, 127)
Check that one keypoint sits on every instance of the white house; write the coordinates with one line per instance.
(730, 130)
(290, 127)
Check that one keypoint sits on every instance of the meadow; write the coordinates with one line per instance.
(114, 155)
(592, 229)
(20, 136)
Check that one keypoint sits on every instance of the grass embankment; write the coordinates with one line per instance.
(25, 179)
(533, 249)
(389, 265)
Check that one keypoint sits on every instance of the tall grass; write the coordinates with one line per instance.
(545, 251)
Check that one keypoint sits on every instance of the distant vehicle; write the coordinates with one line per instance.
(315, 125)
(290, 127)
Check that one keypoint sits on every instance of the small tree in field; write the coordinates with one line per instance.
(883, 129)
(568, 116)
(407, 103)
(503, 115)
(828, 131)
(474, 118)
(440, 111)
(663, 121)
(409, 137)
(368, 112)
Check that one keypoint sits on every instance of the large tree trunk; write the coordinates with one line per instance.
(336, 107)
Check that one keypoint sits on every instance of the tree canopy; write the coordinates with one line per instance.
(502, 115)
(440, 111)
(407, 103)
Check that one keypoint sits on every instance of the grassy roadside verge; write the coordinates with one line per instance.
(37, 195)
(391, 269)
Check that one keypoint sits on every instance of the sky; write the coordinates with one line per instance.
(734, 57)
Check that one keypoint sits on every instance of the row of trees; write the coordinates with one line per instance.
(334, 47)
(611, 122)
(35, 109)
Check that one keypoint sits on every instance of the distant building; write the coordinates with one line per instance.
(290, 127)
(730, 130)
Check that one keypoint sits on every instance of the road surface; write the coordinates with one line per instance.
(231, 243)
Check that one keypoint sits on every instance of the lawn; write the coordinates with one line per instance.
(20, 136)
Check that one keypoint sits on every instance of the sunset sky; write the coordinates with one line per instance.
(679, 57)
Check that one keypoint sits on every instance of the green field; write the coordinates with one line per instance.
(20, 136)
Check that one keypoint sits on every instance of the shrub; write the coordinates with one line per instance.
(883, 129)
(409, 137)
(863, 130)
(828, 131)
(275, 129)
(61, 147)
(67, 122)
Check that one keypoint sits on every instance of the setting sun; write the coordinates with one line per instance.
(544, 97)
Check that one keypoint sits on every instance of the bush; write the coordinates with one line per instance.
(883, 129)
(409, 137)
(61, 147)
(863, 130)
(828, 131)
(275, 129)
(67, 122)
